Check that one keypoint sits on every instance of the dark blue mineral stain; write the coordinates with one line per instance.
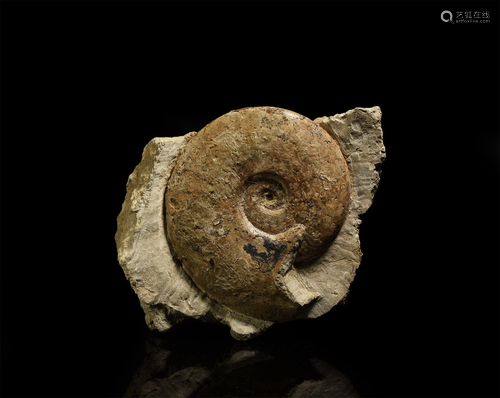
(268, 258)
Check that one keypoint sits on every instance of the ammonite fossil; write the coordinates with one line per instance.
(252, 192)
(252, 220)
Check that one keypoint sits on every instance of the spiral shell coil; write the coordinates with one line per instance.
(256, 192)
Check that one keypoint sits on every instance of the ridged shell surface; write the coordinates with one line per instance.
(256, 192)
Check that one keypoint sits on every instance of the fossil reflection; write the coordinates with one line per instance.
(182, 369)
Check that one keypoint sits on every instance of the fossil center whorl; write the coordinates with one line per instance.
(265, 201)
(252, 192)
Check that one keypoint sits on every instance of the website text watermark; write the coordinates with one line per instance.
(465, 17)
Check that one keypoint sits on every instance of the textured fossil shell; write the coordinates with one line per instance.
(252, 220)
(254, 193)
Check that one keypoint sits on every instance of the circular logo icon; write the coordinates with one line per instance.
(450, 19)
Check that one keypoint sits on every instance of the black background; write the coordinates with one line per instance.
(86, 86)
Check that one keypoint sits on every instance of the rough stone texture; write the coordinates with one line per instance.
(166, 292)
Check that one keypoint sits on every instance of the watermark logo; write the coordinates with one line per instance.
(447, 16)
(465, 17)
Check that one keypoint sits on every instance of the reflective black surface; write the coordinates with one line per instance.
(179, 366)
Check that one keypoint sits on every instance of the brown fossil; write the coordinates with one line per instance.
(252, 220)
(256, 192)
